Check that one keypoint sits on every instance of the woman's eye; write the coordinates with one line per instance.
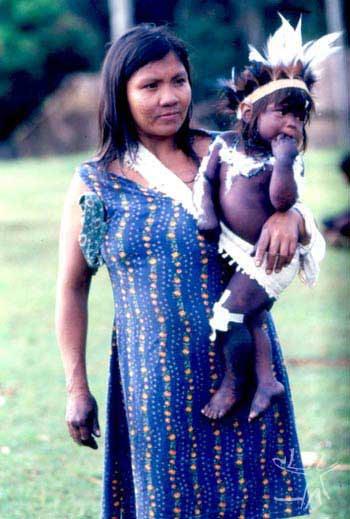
(150, 86)
(180, 81)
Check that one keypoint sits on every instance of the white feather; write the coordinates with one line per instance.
(298, 36)
(254, 55)
(285, 47)
(317, 51)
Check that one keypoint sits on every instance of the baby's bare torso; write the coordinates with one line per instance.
(246, 205)
(244, 199)
(243, 191)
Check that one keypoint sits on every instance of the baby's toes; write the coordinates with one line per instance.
(206, 411)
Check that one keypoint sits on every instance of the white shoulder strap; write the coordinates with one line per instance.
(161, 178)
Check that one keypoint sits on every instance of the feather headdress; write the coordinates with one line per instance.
(285, 63)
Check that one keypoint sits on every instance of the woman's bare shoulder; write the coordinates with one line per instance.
(201, 143)
(72, 266)
(76, 189)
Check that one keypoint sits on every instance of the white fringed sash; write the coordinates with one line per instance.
(305, 262)
(238, 251)
(161, 178)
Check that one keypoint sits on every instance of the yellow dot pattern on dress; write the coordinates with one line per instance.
(177, 282)
(263, 468)
(208, 309)
(281, 454)
(217, 459)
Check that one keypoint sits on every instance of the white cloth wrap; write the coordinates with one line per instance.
(239, 251)
(222, 317)
(313, 253)
(161, 178)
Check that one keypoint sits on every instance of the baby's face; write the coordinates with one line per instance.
(281, 119)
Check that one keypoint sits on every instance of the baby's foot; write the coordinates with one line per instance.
(225, 397)
(263, 396)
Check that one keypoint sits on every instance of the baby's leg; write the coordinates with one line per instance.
(237, 347)
(243, 298)
(268, 387)
(249, 298)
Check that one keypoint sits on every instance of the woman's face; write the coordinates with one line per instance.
(159, 95)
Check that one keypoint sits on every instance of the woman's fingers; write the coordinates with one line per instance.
(262, 247)
(85, 433)
(275, 252)
(90, 442)
(270, 262)
(82, 435)
(96, 431)
(292, 248)
(281, 261)
(82, 420)
(283, 257)
(268, 248)
(278, 241)
(74, 433)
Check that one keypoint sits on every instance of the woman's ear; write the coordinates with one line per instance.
(247, 112)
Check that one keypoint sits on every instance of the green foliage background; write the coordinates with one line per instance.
(218, 32)
(43, 40)
(40, 42)
(33, 29)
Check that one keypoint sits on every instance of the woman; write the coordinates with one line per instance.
(163, 458)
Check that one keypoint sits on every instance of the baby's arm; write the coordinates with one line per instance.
(204, 187)
(283, 188)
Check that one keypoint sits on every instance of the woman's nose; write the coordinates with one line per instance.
(168, 96)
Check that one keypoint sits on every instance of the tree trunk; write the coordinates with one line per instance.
(121, 16)
(339, 75)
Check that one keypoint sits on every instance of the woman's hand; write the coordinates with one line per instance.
(279, 238)
(82, 419)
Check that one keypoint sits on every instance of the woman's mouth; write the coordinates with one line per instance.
(169, 116)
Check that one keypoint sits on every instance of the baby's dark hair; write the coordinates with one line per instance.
(256, 75)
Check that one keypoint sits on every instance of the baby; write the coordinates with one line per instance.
(248, 175)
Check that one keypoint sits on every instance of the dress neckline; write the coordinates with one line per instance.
(160, 179)
(96, 164)
(118, 177)
(145, 190)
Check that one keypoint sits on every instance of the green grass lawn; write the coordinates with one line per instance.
(43, 475)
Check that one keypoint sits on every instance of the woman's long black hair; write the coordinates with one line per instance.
(138, 47)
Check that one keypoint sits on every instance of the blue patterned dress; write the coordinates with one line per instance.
(163, 458)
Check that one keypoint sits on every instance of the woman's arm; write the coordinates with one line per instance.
(71, 321)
